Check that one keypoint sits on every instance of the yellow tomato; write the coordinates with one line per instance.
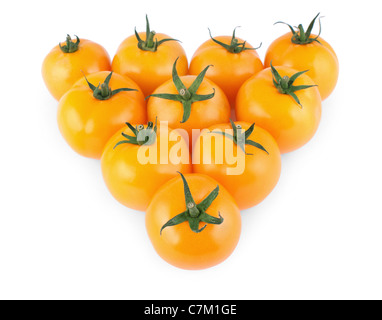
(149, 62)
(64, 65)
(133, 171)
(88, 115)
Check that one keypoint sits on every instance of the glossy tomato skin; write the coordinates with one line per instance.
(180, 246)
(319, 59)
(291, 125)
(133, 182)
(229, 70)
(149, 69)
(87, 123)
(203, 113)
(61, 70)
(260, 171)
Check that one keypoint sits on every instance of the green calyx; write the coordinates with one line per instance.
(235, 46)
(150, 44)
(301, 36)
(241, 137)
(70, 46)
(285, 84)
(187, 96)
(142, 135)
(195, 213)
(103, 91)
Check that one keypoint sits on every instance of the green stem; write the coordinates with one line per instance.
(193, 210)
(150, 40)
(185, 93)
(284, 84)
(105, 90)
(240, 135)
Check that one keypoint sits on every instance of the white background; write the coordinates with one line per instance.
(63, 236)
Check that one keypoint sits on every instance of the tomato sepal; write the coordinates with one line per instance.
(150, 44)
(301, 36)
(70, 46)
(235, 46)
(187, 96)
(285, 84)
(142, 136)
(103, 91)
(195, 213)
(241, 138)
